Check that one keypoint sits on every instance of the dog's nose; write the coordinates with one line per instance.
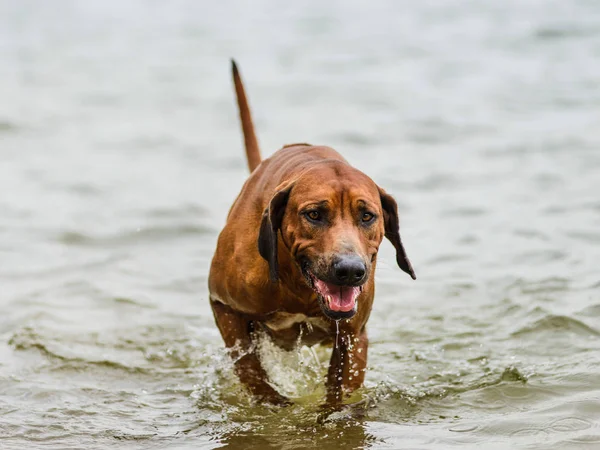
(349, 270)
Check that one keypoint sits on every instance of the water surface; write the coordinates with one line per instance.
(120, 154)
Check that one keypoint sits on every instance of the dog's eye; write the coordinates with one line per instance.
(367, 217)
(313, 215)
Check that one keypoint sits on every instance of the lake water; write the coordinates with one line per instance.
(120, 154)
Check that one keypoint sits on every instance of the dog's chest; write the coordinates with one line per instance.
(282, 321)
(288, 330)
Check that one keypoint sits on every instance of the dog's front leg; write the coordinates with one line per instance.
(236, 331)
(347, 366)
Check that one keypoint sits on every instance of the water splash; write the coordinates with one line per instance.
(297, 373)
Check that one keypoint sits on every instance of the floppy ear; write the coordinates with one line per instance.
(392, 231)
(270, 225)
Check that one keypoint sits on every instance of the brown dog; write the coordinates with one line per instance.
(297, 254)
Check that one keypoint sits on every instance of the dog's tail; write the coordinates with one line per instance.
(250, 141)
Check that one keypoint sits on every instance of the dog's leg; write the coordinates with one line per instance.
(347, 366)
(236, 331)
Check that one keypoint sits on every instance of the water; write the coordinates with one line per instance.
(121, 154)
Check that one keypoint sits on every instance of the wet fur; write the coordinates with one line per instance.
(267, 252)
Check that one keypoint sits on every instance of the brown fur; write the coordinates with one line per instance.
(256, 278)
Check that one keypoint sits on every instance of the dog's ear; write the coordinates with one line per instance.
(270, 225)
(392, 231)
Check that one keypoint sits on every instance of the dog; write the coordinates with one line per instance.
(297, 259)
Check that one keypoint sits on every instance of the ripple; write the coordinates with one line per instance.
(442, 259)
(130, 301)
(543, 286)
(568, 424)
(464, 428)
(467, 239)
(585, 236)
(84, 189)
(451, 384)
(354, 138)
(437, 182)
(594, 206)
(529, 431)
(147, 350)
(540, 256)
(8, 127)
(586, 439)
(464, 212)
(139, 235)
(27, 339)
(530, 234)
(553, 33)
(554, 323)
(592, 310)
(547, 180)
(186, 211)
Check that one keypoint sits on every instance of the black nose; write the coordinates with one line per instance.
(349, 270)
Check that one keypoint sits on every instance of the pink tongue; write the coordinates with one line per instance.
(341, 298)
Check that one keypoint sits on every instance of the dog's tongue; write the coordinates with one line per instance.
(338, 298)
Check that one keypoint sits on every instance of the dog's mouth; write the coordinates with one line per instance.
(337, 302)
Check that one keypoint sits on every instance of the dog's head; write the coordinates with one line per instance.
(332, 219)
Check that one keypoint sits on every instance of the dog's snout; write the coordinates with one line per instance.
(349, 270)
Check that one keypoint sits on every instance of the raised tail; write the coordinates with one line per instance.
(250, 141)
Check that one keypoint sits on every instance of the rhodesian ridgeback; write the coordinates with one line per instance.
(297, 255)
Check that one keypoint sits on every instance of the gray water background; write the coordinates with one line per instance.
(120, 154)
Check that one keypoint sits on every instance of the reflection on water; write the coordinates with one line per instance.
(350, 436)
(120, 156)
